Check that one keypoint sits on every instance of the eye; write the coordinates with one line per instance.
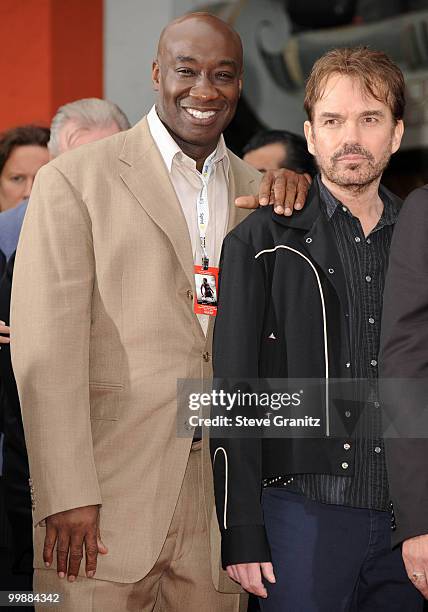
(224, 76)
(331, 122)
(185, 71)
(18, 178)
(370, 120)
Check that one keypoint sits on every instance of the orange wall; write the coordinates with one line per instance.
(51, 53)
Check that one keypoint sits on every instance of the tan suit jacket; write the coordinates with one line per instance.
(103, 326)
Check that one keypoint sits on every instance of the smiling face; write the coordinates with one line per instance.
(17, 175)
(197, 75)
(352, 134)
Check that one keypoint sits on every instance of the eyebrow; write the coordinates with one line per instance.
(190, 59)
(367, 113)
(376, 113)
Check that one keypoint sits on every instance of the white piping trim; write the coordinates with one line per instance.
(226, 477)
(324, 316)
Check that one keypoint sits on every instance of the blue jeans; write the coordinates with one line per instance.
(329, 558)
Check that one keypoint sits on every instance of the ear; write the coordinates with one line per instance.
(397, 135)
(155, 74)
(240, 86)
(309, 135)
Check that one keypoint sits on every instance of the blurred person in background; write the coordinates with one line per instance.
(274, 149)
(84, 121)
(23, 150)
(76, 123)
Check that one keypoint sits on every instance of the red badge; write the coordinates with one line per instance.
(206, 283)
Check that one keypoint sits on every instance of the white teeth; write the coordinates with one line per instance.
(199, 114)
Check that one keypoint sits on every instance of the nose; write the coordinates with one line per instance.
(204, 89)
(351, 132)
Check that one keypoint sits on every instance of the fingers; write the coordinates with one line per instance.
(419, 579)
(75, 556)
(232, 573)
(4, 329)
(415, 557)
(62, 546)
(283, 188)
(49, 545)
(303, 187)
(267, 571)
(249, 202)
(102, 548)
(286, 195)
(266, 186)
(250, 578)
(280, 188)
(91, 550)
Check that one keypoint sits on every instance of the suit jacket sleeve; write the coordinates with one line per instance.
(404, 354)
(50, 322)
(237, 462)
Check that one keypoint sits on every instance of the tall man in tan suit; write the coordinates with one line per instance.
(103, 325)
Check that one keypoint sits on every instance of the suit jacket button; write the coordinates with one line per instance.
(190, 294)
(206, 356)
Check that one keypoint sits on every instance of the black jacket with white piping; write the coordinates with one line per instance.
(283, 313)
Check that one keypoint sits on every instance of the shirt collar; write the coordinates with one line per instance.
(170, 150)
(331, 203)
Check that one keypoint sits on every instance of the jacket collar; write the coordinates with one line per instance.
(305, 218)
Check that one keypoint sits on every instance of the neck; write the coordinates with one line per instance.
(198, 153)
(363, 201)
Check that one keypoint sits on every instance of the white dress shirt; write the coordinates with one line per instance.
(187, 182)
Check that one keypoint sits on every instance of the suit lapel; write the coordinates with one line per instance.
(146, 177)
(238, 186)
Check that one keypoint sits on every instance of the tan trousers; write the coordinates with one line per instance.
(180, 581)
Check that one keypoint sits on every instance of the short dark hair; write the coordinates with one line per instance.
(21, 136)
(297, 156)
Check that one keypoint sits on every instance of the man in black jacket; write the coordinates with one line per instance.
(301, 297)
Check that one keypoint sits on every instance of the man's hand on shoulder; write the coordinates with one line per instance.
(70, 530)
(249, 576)
(415, 557)
(284, 189)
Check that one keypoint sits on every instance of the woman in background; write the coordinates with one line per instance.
(23, 150)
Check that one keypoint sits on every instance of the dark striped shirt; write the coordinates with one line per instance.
(365, 260)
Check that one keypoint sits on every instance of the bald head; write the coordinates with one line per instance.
(197, 76)
(211, 24)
